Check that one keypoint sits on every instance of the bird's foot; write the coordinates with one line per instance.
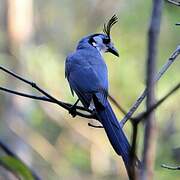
(72, 109)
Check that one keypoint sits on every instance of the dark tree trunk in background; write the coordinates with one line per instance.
(150, 124)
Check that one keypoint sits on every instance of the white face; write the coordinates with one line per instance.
(101, 47)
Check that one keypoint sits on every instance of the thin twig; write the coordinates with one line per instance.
(47, 97)
(117, 104)
(174, 2)
(34, 85)
(143, 115)
(157, 104)
(170, 167)
(144, 93)
(133, 157)
(43, 98)
(178, 24)
(95, 126)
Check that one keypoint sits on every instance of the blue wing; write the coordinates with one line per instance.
(85, 80)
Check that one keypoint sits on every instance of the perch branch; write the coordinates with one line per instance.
(44, 98)
(91, 115)
(47, 97)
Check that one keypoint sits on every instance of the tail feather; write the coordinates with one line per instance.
(114, 132)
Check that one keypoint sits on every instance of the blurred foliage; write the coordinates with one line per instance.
(44, 135)
(17, 167)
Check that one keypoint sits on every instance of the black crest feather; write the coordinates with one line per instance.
(108, 26)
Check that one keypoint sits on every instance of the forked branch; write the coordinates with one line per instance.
(139, 100)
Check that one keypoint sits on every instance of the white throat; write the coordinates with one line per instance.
(100, 49)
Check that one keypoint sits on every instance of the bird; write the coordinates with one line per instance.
(87, 74)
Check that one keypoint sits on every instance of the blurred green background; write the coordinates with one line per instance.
(35, 38)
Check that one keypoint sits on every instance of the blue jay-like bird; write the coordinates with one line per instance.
(87, 74)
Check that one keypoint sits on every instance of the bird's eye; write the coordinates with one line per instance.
(106, 41)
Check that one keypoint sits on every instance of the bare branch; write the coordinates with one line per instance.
(117, 104)
(50, 98)
(42, 98)
(34, 85)
(133, 158)
(170, 167)
(94, 126)
(174, 2)
(47, 97)
(157, 104)
(139, 100)
(135, 121)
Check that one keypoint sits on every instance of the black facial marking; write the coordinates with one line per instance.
(106, 41)
(91, 41)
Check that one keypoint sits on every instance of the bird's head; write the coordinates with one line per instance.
(102, 41)
(103, 44)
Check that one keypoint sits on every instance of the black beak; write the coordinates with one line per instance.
(113, 50)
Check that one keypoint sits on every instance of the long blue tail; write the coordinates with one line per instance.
(114, 132)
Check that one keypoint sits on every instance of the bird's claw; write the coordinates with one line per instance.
(72, 111)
